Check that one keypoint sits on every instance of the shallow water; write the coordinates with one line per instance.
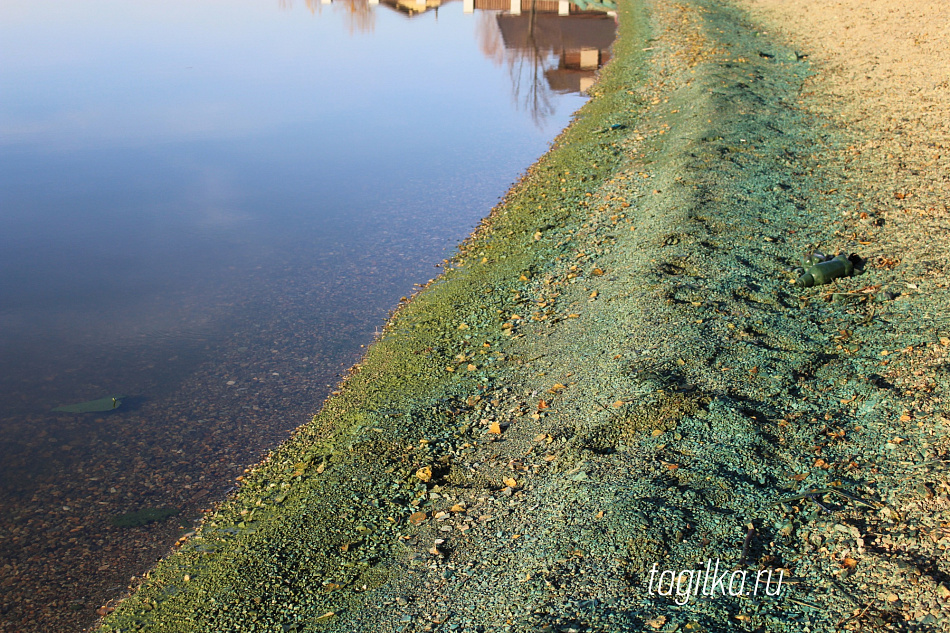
(208, 208)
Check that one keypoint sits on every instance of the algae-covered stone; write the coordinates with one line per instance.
(142, 517)
(92, 406)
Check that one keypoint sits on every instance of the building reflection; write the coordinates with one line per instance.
(548, 45)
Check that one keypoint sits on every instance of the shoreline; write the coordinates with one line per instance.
(615, 373)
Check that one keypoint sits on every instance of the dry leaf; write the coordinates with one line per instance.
(657, 622)
(424, 474)
(558, 387)
(417, 517)
(597, 272)
(495, 428)
(458, 507)
(510, 482)
(618, 404)
(849, 563)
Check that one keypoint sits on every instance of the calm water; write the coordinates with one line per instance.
(207, 207)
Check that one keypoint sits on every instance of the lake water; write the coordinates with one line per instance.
(206, 209)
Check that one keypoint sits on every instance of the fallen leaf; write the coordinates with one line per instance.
(558, 387)
(417, 517)
(657, 622)
(495, 428)
(510, 482)
(424, 474)
(849, 563)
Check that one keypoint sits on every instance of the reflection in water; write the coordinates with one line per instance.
(548, 45)
(360, 17)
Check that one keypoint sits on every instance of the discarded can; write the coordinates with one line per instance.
(824, 272)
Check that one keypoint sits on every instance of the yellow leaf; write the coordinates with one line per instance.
(472, 367)
(511, 483)
(417, 517)
(424, 474)
(557, 387)
(495, 428)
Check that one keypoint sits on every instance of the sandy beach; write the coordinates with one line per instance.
(617, 387)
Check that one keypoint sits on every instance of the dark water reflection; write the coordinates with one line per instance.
(209, 208)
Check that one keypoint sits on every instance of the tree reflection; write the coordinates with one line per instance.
(525, 60)
(359, 14)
